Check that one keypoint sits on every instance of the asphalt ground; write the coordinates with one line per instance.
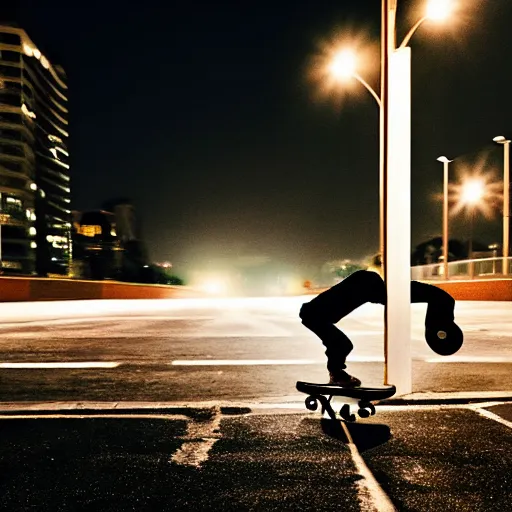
(141, 457)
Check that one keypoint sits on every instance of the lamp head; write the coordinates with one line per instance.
(439, 10)
(500, 139)
(444, 160)
(343, 65)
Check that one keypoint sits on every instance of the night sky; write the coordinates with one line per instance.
(206, 116)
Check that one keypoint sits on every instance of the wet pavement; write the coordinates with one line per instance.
(421, 458)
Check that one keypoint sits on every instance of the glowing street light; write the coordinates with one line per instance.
(439, 10)
(506, 199)
(436, 10)
(445, 163)
(472, 192)
(344, 66)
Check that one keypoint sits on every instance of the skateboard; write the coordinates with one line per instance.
(362, 397)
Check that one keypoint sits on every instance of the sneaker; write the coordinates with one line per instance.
(343, 379)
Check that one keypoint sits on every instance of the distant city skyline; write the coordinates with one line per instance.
(205, 117)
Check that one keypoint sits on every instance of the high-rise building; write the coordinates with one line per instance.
(35, 216)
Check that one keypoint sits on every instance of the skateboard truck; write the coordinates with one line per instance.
(362, 397)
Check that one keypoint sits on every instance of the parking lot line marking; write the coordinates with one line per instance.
(490, 415)
(65, 364)
(371, 494)
(86, 415)
(240, 362)
(268, 362)
(201, 436)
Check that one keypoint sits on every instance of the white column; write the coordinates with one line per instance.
(398, 223)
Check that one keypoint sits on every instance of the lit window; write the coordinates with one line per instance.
(32, 230)
(27, 112)
(33, 245)
(49, 238)
(90, 230)
(33, 186)
(28, 50)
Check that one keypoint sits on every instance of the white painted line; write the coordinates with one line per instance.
(371, 494)
(364, 359)
(37, 366)
(490, 415)
(202, 436)
(86, 415)
(267, 362)
(468, 359)
(242, 362)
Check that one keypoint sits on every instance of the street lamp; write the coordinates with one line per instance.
(343, 67)
(396, 189)
(394, 181)
(506, 199)
(445, 163)
(471, 193)
(436, 10)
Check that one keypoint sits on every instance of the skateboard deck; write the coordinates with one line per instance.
(364, 397)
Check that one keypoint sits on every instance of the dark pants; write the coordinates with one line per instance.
(320, 314)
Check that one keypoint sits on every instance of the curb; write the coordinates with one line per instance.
(228, 408)
(453, 398)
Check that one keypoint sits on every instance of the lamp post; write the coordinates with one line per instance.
(395, 184)
(395, 179)
(506, 199)
(472, 193)
(445, 163)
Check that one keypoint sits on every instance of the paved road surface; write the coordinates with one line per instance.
(75, 439)
(247, 349)
(412, 458)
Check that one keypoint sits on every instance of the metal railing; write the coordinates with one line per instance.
(464, 269)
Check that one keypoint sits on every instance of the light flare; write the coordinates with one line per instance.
(439, 10)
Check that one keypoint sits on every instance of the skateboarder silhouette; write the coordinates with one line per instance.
(322, 313)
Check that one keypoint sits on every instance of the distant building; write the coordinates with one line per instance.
(96, 246)
(35, 216)
(126, 224)
(105, 244)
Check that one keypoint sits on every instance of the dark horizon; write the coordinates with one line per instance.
(204, 116)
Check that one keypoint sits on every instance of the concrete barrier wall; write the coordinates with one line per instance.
(486, 289)
(18, 289)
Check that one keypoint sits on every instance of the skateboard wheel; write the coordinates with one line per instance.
(311, 403)
(372, 408)
(345, 413)
(363, 413)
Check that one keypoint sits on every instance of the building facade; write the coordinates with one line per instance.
(35, 194)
